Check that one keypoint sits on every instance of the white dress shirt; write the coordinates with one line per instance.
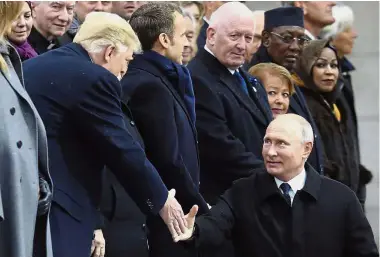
(296, 183)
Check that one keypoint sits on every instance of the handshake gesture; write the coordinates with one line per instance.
(180, 226)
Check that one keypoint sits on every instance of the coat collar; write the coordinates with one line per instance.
(140, 63)
(225, 77)
(267, 187)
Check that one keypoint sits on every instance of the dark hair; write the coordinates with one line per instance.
(152, 19)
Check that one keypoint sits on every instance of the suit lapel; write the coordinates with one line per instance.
(244, 99)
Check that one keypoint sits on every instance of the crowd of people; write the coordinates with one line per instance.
(179, 129)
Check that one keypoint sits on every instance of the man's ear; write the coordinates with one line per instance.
(109, 52)
(210, 33)
(307, 150)
(266, 39)
(164, 40)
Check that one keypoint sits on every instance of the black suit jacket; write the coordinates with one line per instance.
(326, 219)
(80, 104)
(169, 136)
(230, 124)
(201, 39)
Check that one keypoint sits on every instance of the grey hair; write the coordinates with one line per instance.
(187, 14)
(344, 18)
(307, 132)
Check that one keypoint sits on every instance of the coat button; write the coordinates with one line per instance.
(12, 110)
(132, 123)
(19, 144)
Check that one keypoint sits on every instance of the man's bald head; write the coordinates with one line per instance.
(296, 123)
(228, 12)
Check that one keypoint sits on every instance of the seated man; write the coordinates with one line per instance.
(286, 210)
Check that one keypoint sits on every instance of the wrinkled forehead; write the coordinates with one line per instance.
(292, 30)
(238, 22)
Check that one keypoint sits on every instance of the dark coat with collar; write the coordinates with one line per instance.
(202, 36)
(298, 106)
(325, 219)
(80, 104)
(230, 124)
(124, 225)
(170, 140)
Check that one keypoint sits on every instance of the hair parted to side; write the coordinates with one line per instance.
(9, 11)
(261, 69)
(152, 19)
(344, 19)
(101, 29)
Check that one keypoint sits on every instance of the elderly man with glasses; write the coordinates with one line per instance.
(283, 40)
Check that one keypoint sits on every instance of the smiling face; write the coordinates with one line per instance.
(188, 51)
(326, 71)
(52, 19)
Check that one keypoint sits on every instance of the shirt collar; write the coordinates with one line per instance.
(296, 183)
(208, 50)
(205, 19)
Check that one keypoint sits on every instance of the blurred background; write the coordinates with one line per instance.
(365, 58)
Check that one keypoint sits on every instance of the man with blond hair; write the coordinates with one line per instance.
(77, 91)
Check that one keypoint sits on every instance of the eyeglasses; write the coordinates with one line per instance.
(288, 39)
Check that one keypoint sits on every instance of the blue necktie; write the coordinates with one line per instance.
(285, 189)
(242, 82)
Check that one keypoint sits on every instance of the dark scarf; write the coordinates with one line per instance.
(25, 50)
(179, 76)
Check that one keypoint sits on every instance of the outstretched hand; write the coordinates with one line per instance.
(173, 216)
(188, 233)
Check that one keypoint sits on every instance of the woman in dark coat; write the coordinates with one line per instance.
(319, 70)
(343, 36)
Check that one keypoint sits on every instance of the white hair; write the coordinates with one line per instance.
(187, 14)
(229, 10)
(344, 19)
(307, 132)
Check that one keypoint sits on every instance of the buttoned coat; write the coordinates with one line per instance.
(23, 153)
(80, 104)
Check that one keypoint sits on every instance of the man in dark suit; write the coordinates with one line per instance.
(232, 108)
(287, 209)
(161, 99)
(282, 43)
(76, 90)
